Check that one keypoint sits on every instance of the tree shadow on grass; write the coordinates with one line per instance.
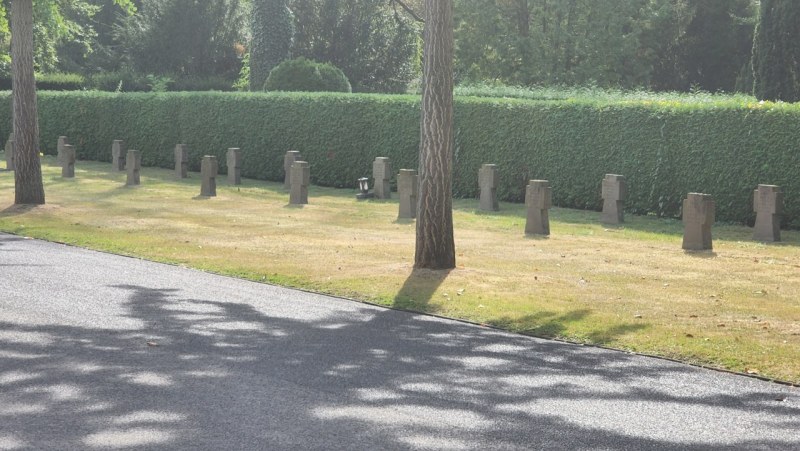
(419, 288)
(547, 324)
(16, 210)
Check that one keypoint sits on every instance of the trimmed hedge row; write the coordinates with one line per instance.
(665, 149)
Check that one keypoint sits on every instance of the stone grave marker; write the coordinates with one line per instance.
(614, 191)
(290, 157)
(234, 159)
(118, 155)
(300, 178)
(382, 173)
(208, 175)
(133, 164)
(68, 161)
(407, 191)
(62, 141)
(488, 178)
(768, 205)
(181, 161)
(538, 199)
(10, 152)
(698, 217)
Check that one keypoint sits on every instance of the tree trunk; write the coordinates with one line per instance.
(28, 169)
(435, 243)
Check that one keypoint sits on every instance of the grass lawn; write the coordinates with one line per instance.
(629, 287)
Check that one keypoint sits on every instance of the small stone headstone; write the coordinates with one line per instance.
(62, 141)
(614, 191)
(300, 178)
(538, 199)
(9, 150)
(181, 161)
(407, 191)
(487, 181)
(118, 155)
(382, 173)
(234, 159)
(290, 157)
(68, 161)
(133, 165)
(698, 217)
(768, 205)
(208, 175)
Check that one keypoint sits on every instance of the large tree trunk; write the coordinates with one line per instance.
(28, 174)
(435, 243)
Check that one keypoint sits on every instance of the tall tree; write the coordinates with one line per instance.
(435, 247)
(776, 51)
(28, 169)
(271, 24)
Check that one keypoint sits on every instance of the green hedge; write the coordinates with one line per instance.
(665, 149)
(56, 81)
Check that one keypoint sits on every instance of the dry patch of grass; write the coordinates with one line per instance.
(630, 287)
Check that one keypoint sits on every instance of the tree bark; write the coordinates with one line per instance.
(435, 247)
(28, 169)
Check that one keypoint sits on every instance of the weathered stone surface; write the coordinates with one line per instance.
(382, 173)
(9, 150)
(488, 179)
(62, 141)
(208, 175)
(133, 165)
(538, 200)
(698, 217)
(299, 179)
(234, 159)
(768, 205)
(118, 155)
(181, 161)
(614, 191)
(68, 161)
(290, 157)
(407, 191)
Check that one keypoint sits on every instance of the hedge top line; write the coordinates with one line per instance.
(669, 104)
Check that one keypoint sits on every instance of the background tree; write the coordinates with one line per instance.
(183, 37)
(435, 245)
(374, 43)
(776, 51)
(702, 44)
(272, 28)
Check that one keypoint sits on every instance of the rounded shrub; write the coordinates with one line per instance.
(306, 75)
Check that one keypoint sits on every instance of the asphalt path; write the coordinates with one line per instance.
(106, 352)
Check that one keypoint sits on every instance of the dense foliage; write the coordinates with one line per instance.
(666, 148)
(660, 45)
(375, 45)
(657, 44)
(776, 51)
(306, 75)
(183, 37)
(272, 28)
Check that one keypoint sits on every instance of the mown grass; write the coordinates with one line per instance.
(628, 287)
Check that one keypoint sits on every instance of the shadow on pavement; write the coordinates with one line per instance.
(213, 374)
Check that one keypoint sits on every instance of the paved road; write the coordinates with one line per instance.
(238, 365)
